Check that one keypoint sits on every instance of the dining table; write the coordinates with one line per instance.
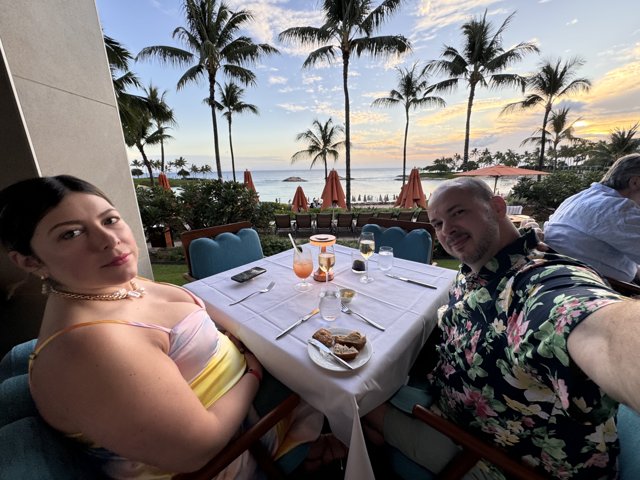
(407, 311)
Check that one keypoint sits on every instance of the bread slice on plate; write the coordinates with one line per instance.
(345, 352)
(353, 339)
(324, 336)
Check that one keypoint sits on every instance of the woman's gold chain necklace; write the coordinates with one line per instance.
(121, 294)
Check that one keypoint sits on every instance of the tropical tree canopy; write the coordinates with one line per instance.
(323, 142)
(621, 142)
(212, 44)
(558, 129)
(553, 80)
(412, 93)
(231, 102)
(161, 115)
(348, 28)
(480, 63)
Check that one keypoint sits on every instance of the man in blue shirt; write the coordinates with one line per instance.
(601, 225)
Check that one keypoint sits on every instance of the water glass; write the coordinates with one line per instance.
(329, 303)
(385, 258)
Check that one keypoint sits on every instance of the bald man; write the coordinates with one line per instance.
(535, 350)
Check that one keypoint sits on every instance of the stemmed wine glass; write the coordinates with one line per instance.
(367, 245)
(302, 267)
(326, 260)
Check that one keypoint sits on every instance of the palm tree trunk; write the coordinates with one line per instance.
(326, 170)
(465, 157)
(233, 162)
(404, 149)
(161, 155)
(347, 125)
(543, 138)
(216, 148)
(146, 162)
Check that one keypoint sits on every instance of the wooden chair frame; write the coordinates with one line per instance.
(304, 223)
(210, 232)
(362, 219)
(324, 221)
(423, 216)
(249, 440)
(405, 216)
(473, 449)
(625, 288)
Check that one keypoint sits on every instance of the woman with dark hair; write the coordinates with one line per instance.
(135, 369)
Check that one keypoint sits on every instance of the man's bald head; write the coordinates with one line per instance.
(474, 187)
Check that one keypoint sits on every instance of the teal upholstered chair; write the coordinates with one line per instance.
(29, 448)
(410, 240)
(414, 399)
(216, 249)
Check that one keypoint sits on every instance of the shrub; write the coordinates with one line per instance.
(546, 195)
(159, 207)
(214, 202)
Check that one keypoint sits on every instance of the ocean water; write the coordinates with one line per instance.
(379, 183)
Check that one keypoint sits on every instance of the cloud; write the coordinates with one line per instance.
(275, 80)
(572, 22)
(289, 107)
(310, 79)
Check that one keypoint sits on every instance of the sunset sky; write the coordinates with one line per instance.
(605, 34)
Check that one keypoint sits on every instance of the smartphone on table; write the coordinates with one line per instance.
(248, 274)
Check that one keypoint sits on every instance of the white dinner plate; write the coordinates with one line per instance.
(325, 361)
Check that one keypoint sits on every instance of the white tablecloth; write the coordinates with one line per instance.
(407, 311)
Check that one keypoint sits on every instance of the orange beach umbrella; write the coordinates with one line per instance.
(412, 194)
(299, 201)
(163, 181)
(497, 171)
(248, 181)
(333, 192)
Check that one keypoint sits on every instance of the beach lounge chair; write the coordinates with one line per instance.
(514, 209)
(324, 223)
(303, 224)
(283, 224)
(384, 215)
(344, 223)
(362, 220)
(216, 249)
(423, 216)
(405, 215)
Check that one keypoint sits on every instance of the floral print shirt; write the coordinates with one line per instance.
(504, 370)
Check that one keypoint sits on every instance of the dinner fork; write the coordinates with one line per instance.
(348, 311)
(264, 290)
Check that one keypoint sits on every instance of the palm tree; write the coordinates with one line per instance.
(350, 25)
(552, 81)
(119, 57)
(560, 131)
(621, 143)
(213, 45)
(480, 63)
(161, 115)
(412, 92)
(231, 102)
(138, 131)
(322, 141)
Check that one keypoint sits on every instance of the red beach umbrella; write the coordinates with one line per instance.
(497, 171)
(412, 194)
(299, 202)
(333, 192)
(163, 181)
(248, 181)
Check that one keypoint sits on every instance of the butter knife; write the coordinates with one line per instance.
(323, 348)
(298, 322)
(409, 280)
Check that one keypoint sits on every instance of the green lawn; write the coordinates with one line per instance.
(171, 273)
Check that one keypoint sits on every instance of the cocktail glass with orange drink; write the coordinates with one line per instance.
(302, 267)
